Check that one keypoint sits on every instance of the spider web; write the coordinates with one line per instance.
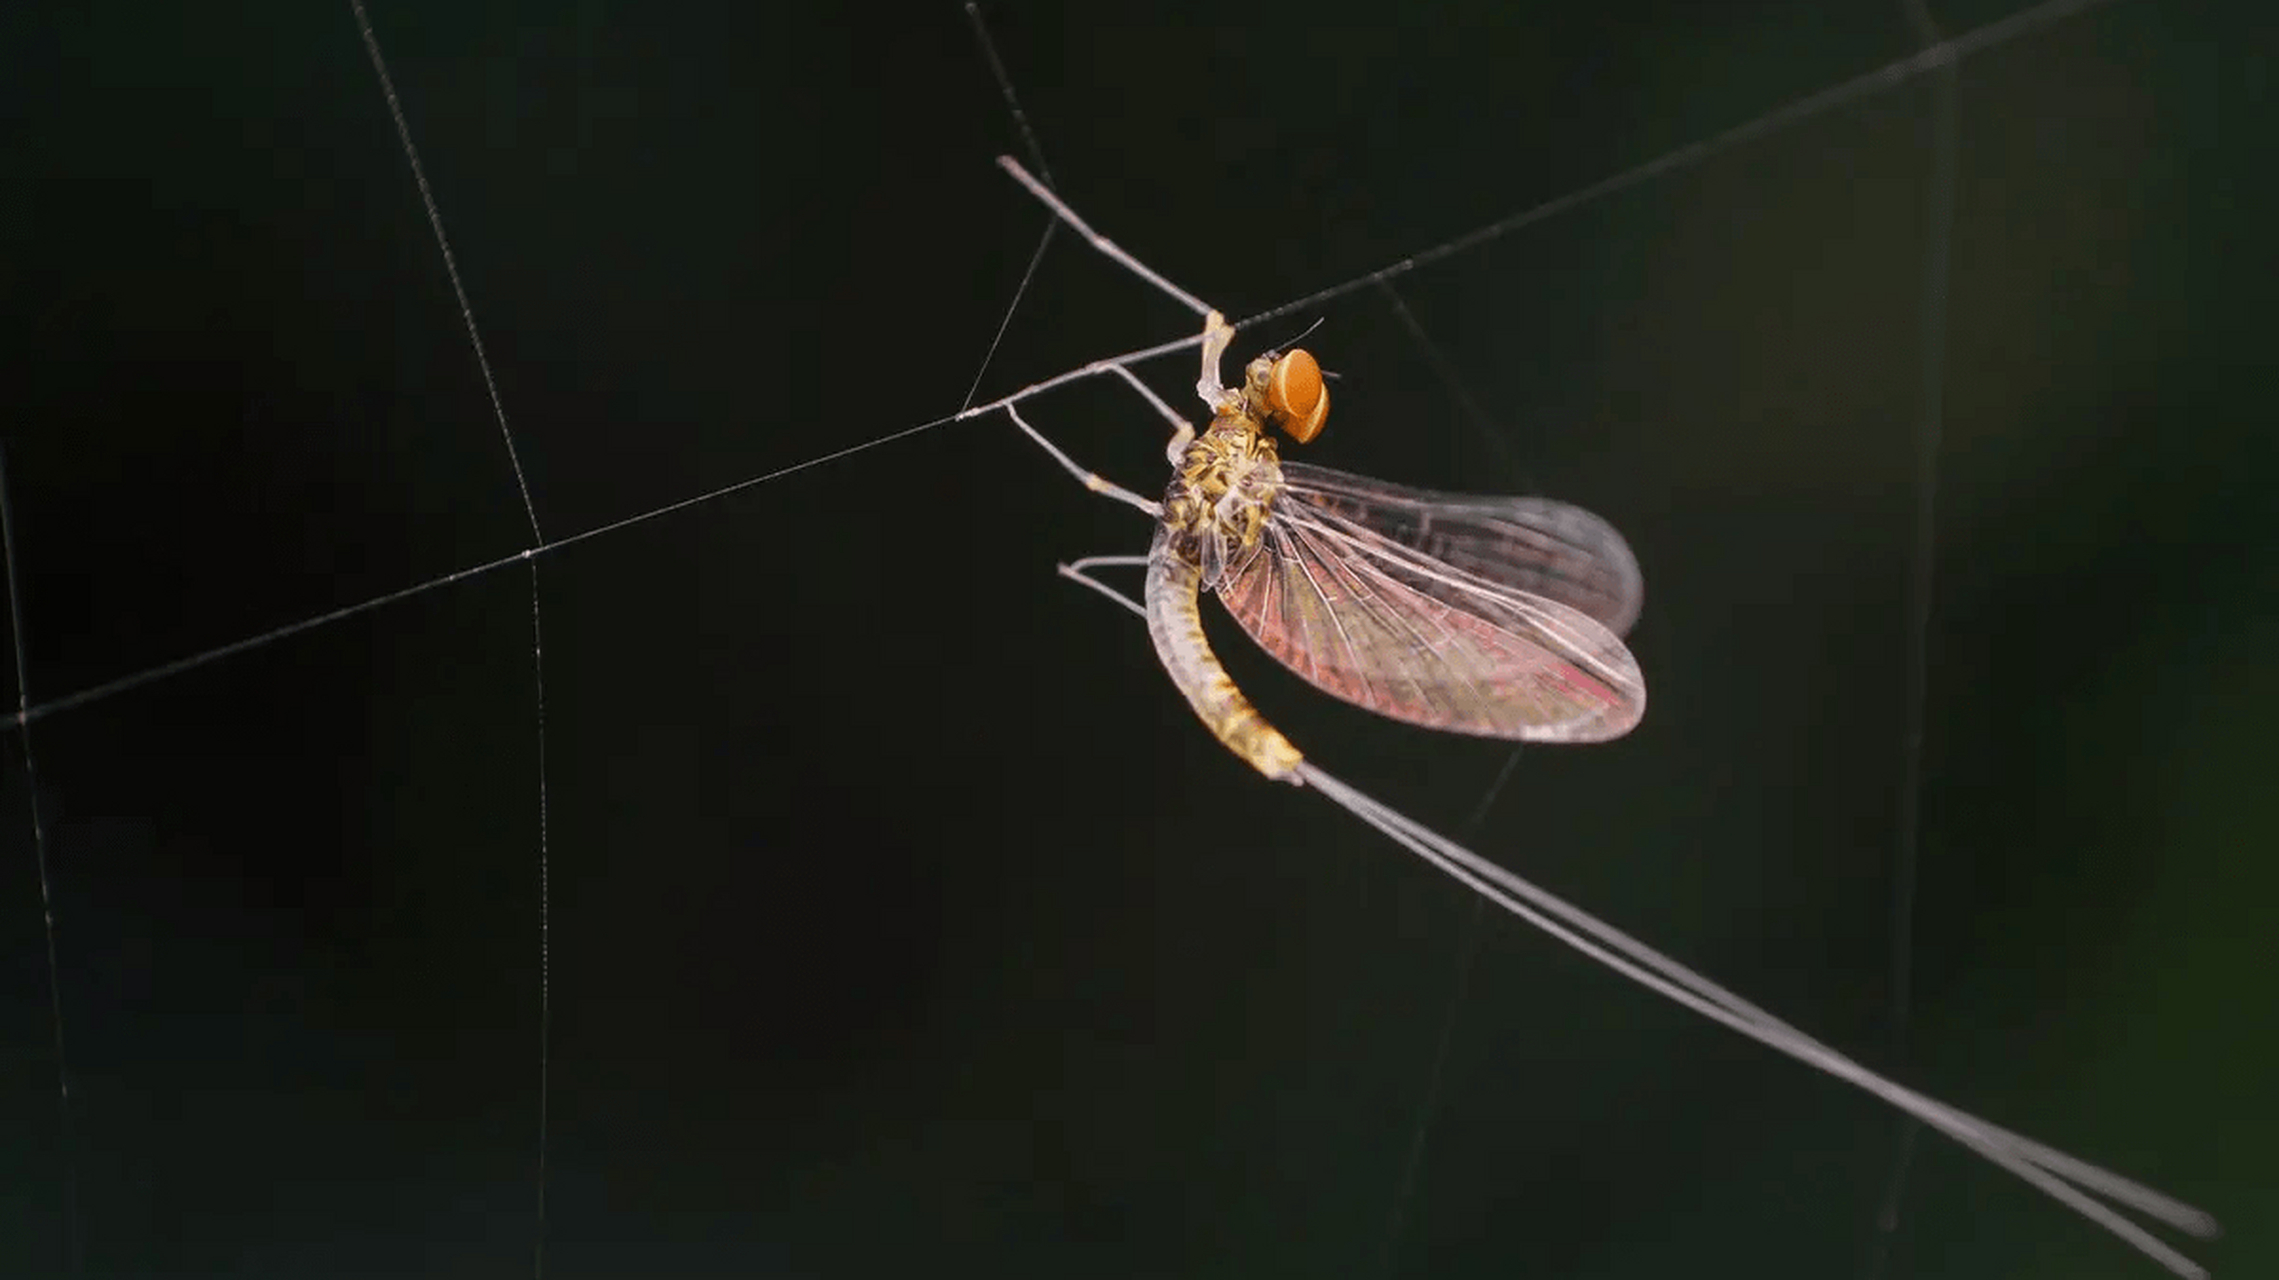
(893, 907)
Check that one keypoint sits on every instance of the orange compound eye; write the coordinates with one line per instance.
(1296, 399)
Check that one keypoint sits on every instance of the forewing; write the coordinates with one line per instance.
(1390, 629)
(1548, 549)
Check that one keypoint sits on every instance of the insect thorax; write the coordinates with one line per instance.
(1221, 494)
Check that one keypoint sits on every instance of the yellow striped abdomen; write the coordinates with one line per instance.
(1175, 622)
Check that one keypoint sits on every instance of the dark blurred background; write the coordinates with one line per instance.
(901, 917)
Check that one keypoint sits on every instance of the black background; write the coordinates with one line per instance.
(902, 919)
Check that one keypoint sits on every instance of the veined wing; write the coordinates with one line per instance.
(1390, 628)
(1546, 548)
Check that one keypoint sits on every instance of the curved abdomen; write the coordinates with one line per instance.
(1175, 622)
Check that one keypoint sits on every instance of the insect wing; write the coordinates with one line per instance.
(1542, 547)
(1384, 625)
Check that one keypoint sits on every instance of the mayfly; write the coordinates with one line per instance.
(1498, 617)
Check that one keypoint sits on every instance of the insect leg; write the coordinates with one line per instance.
(1076, 571)
(1182, 431)
(1217, 333)
(1090, 480)
(1104, 562)
(1114, 251)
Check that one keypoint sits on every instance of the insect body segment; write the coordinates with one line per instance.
(1176, 625)
(1225, 483)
